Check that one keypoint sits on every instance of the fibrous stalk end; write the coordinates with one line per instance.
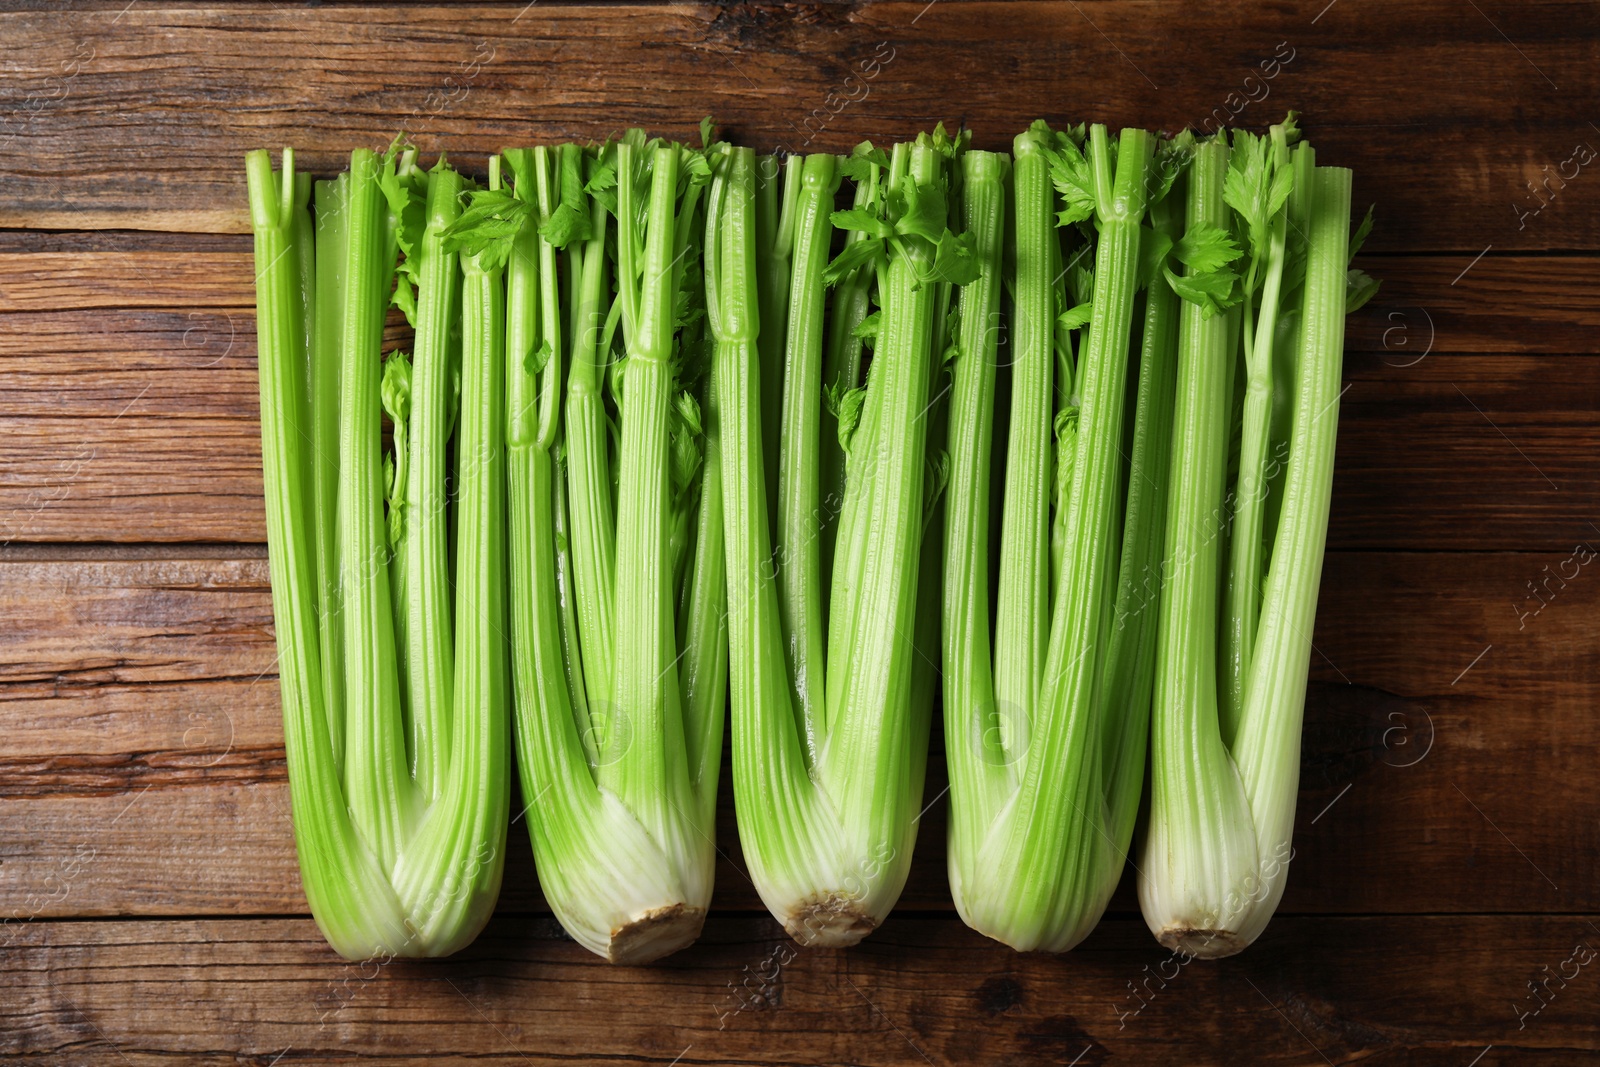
(1201, 944)
(831, 920)
(656, 933)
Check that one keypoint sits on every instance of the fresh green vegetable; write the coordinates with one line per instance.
(1045, 731)
(1227, 713)
(616, 531)
(670, 420)
(395, 702)
(831, 696)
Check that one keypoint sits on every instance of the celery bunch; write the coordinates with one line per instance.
(393, 675)
(1045, 725)
(679, 422)
(617, 621)
(1260, 355)
(831, 694)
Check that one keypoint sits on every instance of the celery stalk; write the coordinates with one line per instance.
(618, 647)
(1043, 795)
(400, 834)
(1223, 792)
(829, 726)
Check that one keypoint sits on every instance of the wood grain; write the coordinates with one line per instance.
(1411, 433)
(139, 118)
(923, 991)
(147, 730)
(132, 425)
(138, 422)
(1494, 305)
(55, 281)
(1446, 847)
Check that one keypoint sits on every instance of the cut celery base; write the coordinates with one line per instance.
(658, 932)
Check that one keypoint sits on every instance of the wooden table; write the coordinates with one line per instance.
(1448, 847)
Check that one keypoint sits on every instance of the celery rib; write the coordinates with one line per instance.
(396, 859)
(829, 722)
(617, 569)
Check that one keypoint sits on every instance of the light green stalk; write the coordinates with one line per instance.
(777, 195)
(1267, 748)
(1247, 565)
(767, 750)
(1128, 677)
(429, 640)
(1022, 618)
(1286, 346)
(841, 371)
(375, 777)
(618, 733)
(390, 866)
(1199, 838)
(799, 486)
(449, 877)
(322, 509)
(1219, 843)
(649, 773)
(976, 736)
(589, 487)
(828, 844)
(1035, 851)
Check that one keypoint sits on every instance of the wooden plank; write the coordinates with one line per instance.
(1428, 304)
(144, 728)
(126, 242)
(52, 281)
(130, 478)
(99, 652)
(1410, 431)
(922, 991)
(138, 118)
(131, 425)
(1432, 305)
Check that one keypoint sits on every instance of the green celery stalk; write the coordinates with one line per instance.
(644, 668)
(842, 361)
(829, 732)
(424, 543)
(1044, 793)
(777, 194)
(1247, 565)
(450, 876)
(1199, 838)
(1022, 616)
(591, 506)
(769, 754)
(799, 510)
(323, 399)
(375, 749)
(975, 735)
(350, 896)
(1128, 677)
(1268, 744)
(395, 861)
(619, 654)
(1221, 817)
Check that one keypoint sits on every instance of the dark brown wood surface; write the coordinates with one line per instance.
(1448, 837)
